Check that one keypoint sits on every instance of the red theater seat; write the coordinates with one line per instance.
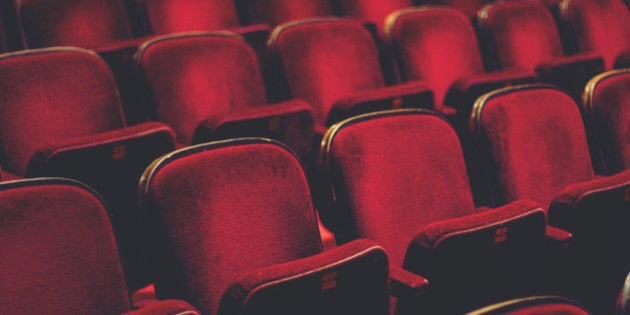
(174, 16)
(59, 254)
(469, 7)
(237, 231)
(606, 106)
(601, 27)
(277, 12)
(539, 305)
(399, 178)
(532, 143)
(90, 24)
(524, 35)
(334, 65)
(437, 44)
(208, 86)
(61, 116)
(99, 25)
(374, 11)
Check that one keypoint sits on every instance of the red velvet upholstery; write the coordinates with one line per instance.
(606, 111)
(325, 60)
(59, 253)
(373, 10)
(388, 183)
(524, 35)
(51, 95)
(381, 190)
(61, 116)
(439, 45)
(87, 23)
(534, 140)
(276, 12)
(349, 279)
(601, 26)
(539, 305)
(225, 209)
(172, 16)
(468, 7)
(200, 82)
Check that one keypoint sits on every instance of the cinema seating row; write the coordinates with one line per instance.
(425, 203)
(217, 212)
(505, 34)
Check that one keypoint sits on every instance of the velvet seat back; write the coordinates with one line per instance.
(373, 10)
(223, 209)
(58, 254)
(599, 26)
(524, 33)
(50, 95)
(172, 16)
(193, 76)
(606, 109)
(533, 141)
(326, 59)
(276, 12)
(468, 7)
(83, 23)
(391, 174)
(435, 44)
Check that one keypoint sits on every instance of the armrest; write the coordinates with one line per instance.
(269, 121)
(597, 202)
(406, 284)
(517, 225)
(571, 72)
(407, 95)
(107, 146)
(463, 93)
(357, 271)
(166, 307)
(570, 62)
(557, 238)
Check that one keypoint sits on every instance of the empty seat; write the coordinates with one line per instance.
(208, 86)
(532, 144)
(606, 104)
(333, 64)
(59, 254)
(601, 27)
(99, 25)
(176, 16)
(89, 24)
(173, 16)
(523, 34)
(374, 11)
(236, 230)
(276, 12)
(437, 44)
(469, 7)
(399, 178)
(539, 305)
(61, 116)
